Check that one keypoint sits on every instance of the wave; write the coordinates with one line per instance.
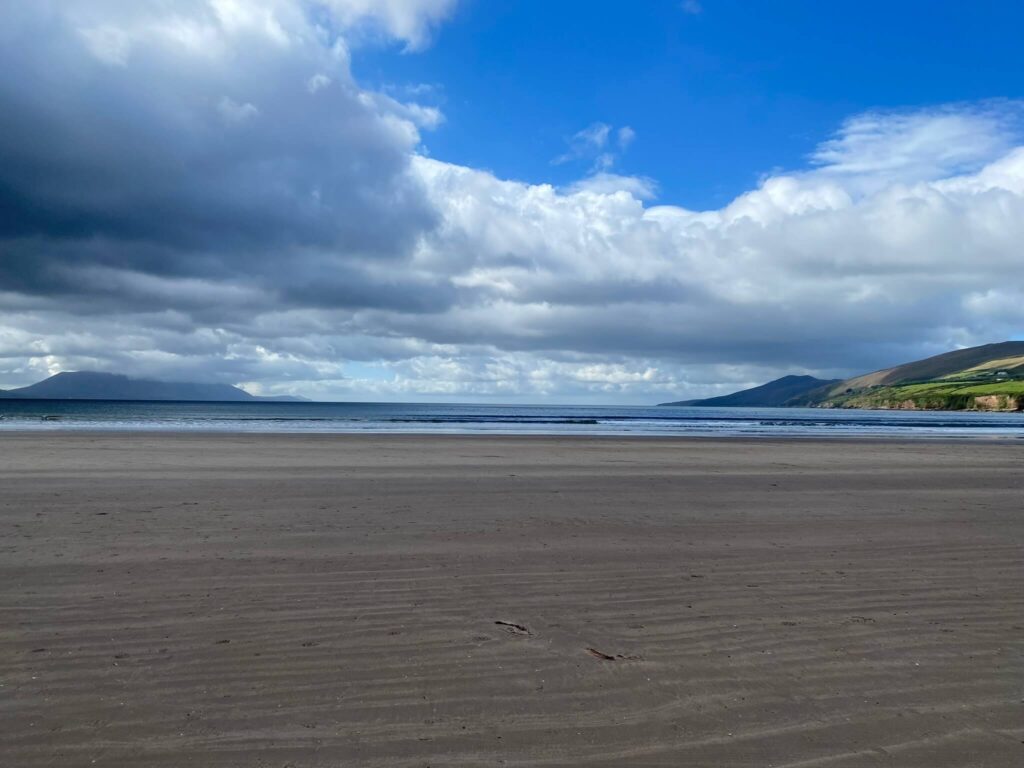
(498, 419)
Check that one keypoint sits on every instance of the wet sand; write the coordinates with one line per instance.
(275, 600)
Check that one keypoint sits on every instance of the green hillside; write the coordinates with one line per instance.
(989, 378)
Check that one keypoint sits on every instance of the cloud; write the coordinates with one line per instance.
(108, 44)
(812, 270)
(411, 21)
(209, 193)
(587, 143)
(317, 82)
(880, 148)
(597, 144)
(233, 112)
(208, 162)
(604, 183)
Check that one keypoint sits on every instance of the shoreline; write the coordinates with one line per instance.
(92, 431)
(495, 435)
(553, 421)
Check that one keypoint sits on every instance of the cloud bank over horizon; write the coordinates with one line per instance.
(211, 194)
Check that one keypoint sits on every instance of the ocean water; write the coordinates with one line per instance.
(500, 419)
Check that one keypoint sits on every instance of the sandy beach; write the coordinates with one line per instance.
(276, 600)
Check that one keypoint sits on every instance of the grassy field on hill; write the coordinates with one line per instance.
(951, 394)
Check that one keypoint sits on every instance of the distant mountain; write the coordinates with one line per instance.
(88, 385)
(773, 394)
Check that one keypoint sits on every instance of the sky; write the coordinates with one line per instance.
(435, 200)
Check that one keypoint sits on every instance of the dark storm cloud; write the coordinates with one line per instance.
(222, 163)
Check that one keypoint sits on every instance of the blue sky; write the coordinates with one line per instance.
(484, 200)
(717, 98)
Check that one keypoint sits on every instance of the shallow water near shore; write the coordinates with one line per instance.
(424, 418)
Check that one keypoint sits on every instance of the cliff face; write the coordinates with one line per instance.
(998, 403)
(935, 401)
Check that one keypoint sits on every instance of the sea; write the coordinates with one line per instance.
(423, 418)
